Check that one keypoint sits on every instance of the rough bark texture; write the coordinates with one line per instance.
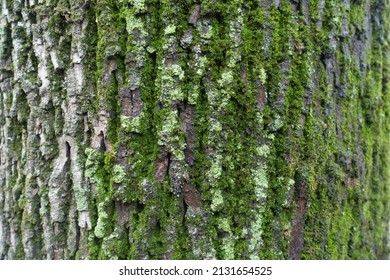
(194, 129)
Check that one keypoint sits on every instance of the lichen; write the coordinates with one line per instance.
(215, 171)
(100, 229)
(139, 5)
(263, 151)
(260, 180)
(217, 200)
(170, 29)
(226, 79)
(262, 76)
(118, 174)
(132, 124)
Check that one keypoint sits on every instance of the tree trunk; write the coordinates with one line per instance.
(144, 129)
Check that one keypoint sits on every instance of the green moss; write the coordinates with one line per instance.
(245, 111)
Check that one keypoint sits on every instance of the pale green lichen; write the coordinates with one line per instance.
(228, 247)
(43, 210)
(91, 165)
(193, 95)
(170, 127)
(134, 23)
(215, 170)
(271, 136)
(233, 56)
(290, 183)
(263, 151)
(262, 76)
(176, 70)
(100, 229)
(118, 174)
(278, 122)
(112, 245)
(176, 94)
(139, 5)
(256, 232)
(151, 49)
(89, 151)
(169, 72)
(81, 198)
(170, 29)
(170, 83)
(200, 64)
(227, 241)
(179, 153)
(217, 200)
(244, 232)
(215, 126)
(226, 79)
(260, 181)
(132, 124)
(259, 118)
(224, 225)
(205, 30)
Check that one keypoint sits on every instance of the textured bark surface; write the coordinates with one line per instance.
(205, 129)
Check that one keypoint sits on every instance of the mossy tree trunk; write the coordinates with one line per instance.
(205, 129)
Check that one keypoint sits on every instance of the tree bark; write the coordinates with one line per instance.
(144, 129)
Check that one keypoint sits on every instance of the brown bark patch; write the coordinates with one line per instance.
(244, 75)
(122, 154)
(195, 15)
(261, 96)
(191, 196)
(131, 102)
(297, 233)
(111, 66)
(171, 59)
(123, 213)
(350, 183)
(161, 167)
